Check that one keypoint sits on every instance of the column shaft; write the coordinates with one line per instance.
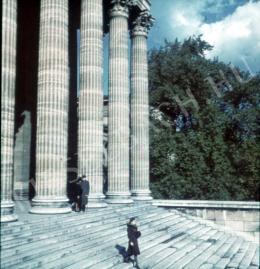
(52, 110)
(90, 142)
(139, 114)
(118, 121)
(9, 26)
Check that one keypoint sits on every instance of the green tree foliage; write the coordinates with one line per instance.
(207, 148)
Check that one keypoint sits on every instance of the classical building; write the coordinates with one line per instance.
(39, 65)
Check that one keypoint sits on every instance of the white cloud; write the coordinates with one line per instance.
(234, 37)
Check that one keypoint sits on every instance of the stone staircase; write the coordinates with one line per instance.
(97, 239)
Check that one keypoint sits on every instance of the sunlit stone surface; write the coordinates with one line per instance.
(90, 142)
(8, 76)
(170, 239)
(140, 109)
(118, 120)
(52, 110)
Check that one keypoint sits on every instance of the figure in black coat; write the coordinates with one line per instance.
(75, 194)
(133, 248)
(84, 184)
(77, 198)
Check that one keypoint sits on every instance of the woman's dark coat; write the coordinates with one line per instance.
(133, 234)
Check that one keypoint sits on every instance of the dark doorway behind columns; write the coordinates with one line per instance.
(28, 15)
(74, 24)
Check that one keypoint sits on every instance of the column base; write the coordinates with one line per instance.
(96, 201)
(119, 198)
(7, 211)
(50, 206)
(141, 195)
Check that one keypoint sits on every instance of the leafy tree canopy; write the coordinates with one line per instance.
(204, 125)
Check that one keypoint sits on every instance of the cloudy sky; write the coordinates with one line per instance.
(231, 26)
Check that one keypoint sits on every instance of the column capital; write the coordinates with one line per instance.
(119, 8)
(142, 24)
(139, 108)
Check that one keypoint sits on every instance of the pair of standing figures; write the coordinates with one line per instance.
(81, 195)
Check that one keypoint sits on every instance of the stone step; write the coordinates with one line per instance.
(44, 222)
(41, 218)
(101, 229)
(245, 263)
(83, 257)
(242, 253)
(181, 230)
(71, 236)
(235, 260)
(218, 255)
(160, 257)
(202, 245)
(167, 259)
(112, 259)
(143, 232)
(45, 227)
(153, 246)
(206, 266)
(57, 228)
(256, 258)
(111, 256)
(56, 219)
(170, 239)
(98, 235)
(183, 248)
(185, 245)
(198, 261)
(149, 258)
(227, 252)
(35, 250)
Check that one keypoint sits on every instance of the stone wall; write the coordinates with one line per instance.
(242, 217)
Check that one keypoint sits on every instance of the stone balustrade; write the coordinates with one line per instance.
(240, 216)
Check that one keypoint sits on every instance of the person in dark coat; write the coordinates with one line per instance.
(76, 194)
(84, 185)
(133, 247)
(78, 198)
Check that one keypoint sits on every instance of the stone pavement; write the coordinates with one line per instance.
(97, 239)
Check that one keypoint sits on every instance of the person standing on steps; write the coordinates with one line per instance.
(133, 248)
(76, 194)
(84, 184)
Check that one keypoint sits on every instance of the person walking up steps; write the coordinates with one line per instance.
(133, 247)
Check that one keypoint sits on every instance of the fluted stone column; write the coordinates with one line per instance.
(118, 121)
(52, 110)
(9, 26)
(140, 109)
(90, 140)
